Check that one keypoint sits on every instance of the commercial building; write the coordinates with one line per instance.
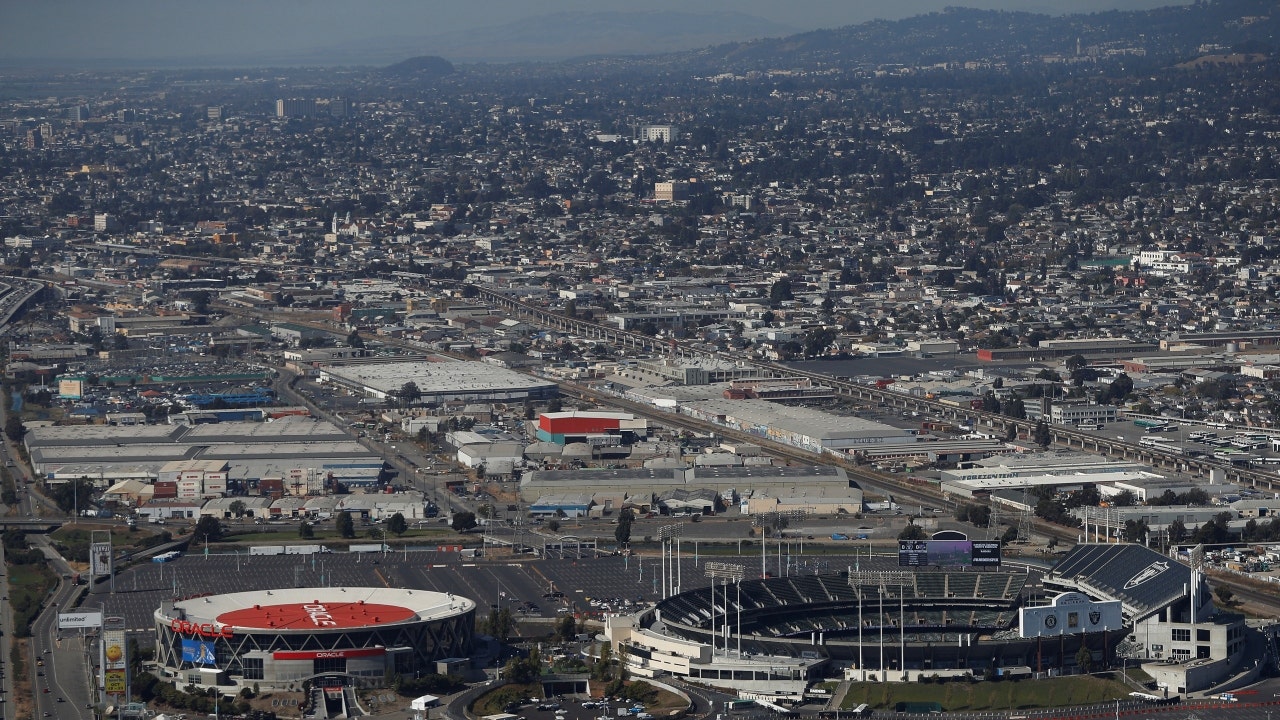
(591, 427)
(438, 381)
(304, 455)
(811, 430)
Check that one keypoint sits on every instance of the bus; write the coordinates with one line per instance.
(1161, 445)
(1088, 426)
(1145, 423)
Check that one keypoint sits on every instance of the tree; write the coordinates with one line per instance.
(499, 623)
(237, 508)
(306, 531)
(780, 291)
(410, 393)
(912, 532)
(1225, 595)
(1075, 362)
(1177, 531)
(354, 340)
(463, 521)
(554, 526)
(566, 627)
(346, 526)
(1084, 659)
(622, 533)
(1041, 434)
(14, 429)
(73, 494)
(396, 524)
(209, 528)
(1135, 531)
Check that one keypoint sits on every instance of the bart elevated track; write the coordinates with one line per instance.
(1001, 424)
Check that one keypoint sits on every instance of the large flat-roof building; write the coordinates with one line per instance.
(439, 381)
(811, 430)
(302, 452)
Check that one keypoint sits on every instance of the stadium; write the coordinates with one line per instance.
(776, 635)
(333, 637)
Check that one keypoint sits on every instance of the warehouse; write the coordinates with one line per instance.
(811, 430)
(205, 460)
(812, 480)
(439, 381)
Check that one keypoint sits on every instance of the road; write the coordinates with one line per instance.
(65, 668)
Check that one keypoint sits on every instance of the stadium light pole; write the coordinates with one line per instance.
(666, 533)
(724, 572)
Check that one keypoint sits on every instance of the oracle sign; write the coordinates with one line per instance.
(209, 630)
(326, 654)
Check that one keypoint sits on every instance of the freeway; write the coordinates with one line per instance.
(61, 682)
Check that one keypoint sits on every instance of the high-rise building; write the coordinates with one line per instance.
(295, 107)
(671, 191)
(78, 113)
(657, 133)
(214, 112)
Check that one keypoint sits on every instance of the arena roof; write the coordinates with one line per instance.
(318, 609)
(1142, 579)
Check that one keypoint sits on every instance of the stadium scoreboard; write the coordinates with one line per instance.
(949, 553)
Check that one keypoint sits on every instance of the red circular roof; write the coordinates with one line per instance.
(315, 616)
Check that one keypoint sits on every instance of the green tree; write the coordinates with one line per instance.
(566, 627)
(1041, 434)
(306, 531)
(622, 533)
(396, 525)
(912, 532)
(346, 526)
(354, 340)
(410, 393)
(1084, 659)
(72, 494)
(1225, 595)
(780, 291)
(463, 521)
(237, 508)
(208, 528)
(14, 429)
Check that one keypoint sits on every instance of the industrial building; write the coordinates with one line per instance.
(811, 430)
(591, 427)
(301, 454)
(438, 381)
(820, 489)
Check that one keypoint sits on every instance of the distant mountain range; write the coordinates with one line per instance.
(562, 36)
(959, 35)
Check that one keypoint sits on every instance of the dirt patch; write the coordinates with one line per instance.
(23, 691)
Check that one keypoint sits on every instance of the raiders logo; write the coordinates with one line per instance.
(1094, 617)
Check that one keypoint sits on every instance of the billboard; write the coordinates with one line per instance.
(113, 682)
(78, 620)
(198, 652)
(1070, 613)
(949, 553)
(114, 661)
(113, 650)
(100, 559)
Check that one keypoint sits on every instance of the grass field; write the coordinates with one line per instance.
(986, 696)
(496, 701)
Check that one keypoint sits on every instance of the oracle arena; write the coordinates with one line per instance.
(350, 636)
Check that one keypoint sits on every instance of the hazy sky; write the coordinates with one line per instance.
(152, 29)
